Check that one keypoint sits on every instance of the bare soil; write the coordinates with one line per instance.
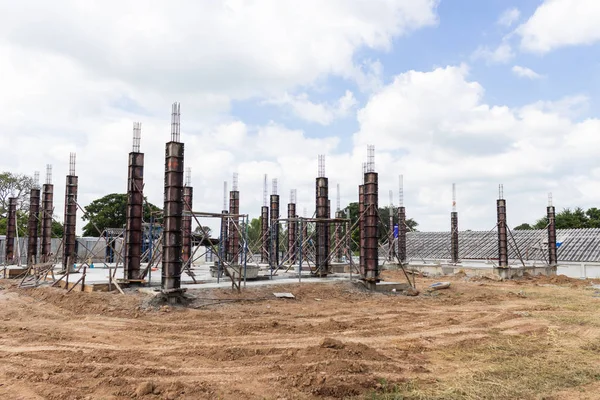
(536, 338)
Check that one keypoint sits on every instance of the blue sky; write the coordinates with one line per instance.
(473, 92)
(463, 26)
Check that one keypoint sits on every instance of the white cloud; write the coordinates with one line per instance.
(500, 55)
(233, 48)
(74, 77)
(524, 72)
(559, 23)
(509, 17)
(321, 113)
(438, 130)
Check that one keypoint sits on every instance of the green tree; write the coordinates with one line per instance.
(110, 212)
(569, 219)
(22, 218)
(14, 185)
(22, 221)
(203, 230)
(254, 233)
(593, 215)
(523, 227)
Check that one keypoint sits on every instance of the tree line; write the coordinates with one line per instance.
(568, 219)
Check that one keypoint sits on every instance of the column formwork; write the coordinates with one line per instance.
(371, 239)
(552, 256)
(134, 217)
(186, 225)
(47, 211)
(292, 226)
(339, 231)
(33, 226)
(402, 234)
(322, 227)
(274, 201)
(264, 234)
(454, 237)
(502, 234)
(234, 226)
(361, 228)
(70, 218)
(11, 231)
(173, 215)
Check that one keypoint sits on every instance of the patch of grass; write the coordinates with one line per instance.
(588, 319)
(505, 367)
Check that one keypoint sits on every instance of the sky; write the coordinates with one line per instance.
(477, 93)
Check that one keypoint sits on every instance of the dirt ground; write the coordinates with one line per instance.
(479, 339)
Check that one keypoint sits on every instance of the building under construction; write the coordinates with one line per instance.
(176, 245)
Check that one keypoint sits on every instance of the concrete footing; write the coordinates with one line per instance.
(478, 269)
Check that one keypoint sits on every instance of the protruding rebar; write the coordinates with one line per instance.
(188, 177)
(293, 196)
(265, 191)
(137, 136)
(364, 171)
(401, 191)
(274, 186)
(72, 158)
(234, 183)
(550, 199)
(176, 122)
(370, 158)
(500, 192)
(36, 180)
(321, 171)
(48, 174)
(338, 202)
(225, 196)
(454, 197)
(391, 199)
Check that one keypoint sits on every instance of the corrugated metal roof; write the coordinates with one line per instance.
(581, 245)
